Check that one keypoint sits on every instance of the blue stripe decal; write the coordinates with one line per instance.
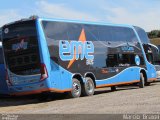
(128, 75)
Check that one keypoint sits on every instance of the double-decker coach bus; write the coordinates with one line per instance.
(51, 55)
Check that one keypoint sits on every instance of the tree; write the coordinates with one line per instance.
(154, 34)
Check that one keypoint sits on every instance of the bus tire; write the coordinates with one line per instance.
(113, 88)
(76, 89)
(147, 83)
(142, 81)
(43, 97)
(88, 87)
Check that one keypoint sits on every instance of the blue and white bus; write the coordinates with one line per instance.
(52, 55)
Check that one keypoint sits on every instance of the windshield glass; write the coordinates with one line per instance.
(142, 34)
(21, 48)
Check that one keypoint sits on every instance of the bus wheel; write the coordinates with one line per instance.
(88, 87)
(76, 88)
(113, 88)
(147, 83)
(142, 81)
(43, 97)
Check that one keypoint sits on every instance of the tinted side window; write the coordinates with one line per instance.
(61, 31)
(91, 32)
(109, 60)
(73, 31)
(113, 33)
(121, 60)
(105, 33)
(123, 34)
(54, 30)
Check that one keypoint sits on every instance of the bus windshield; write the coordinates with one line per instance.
(142, 34)
(21, 48)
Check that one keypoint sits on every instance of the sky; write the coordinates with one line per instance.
(142, 13)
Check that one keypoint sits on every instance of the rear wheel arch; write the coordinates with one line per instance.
(92, 76)
(144, 74)
(79, 77)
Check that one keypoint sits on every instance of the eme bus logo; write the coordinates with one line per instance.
(76, 50)
(21, 45)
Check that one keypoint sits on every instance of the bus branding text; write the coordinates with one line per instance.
(76, 50)
(21, 45)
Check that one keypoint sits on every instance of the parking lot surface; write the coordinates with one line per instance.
(127, 99)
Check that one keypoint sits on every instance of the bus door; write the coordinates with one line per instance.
(150, 58)
(149, 53)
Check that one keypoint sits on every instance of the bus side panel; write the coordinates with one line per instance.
(151, 72)
(44, 55)
(59, 78)
(66, 79)
(105, 46)
(129, 75)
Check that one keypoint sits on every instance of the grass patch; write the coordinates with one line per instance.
(155, 41)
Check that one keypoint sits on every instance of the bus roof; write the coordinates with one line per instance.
(86, 22)
(70, 21)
